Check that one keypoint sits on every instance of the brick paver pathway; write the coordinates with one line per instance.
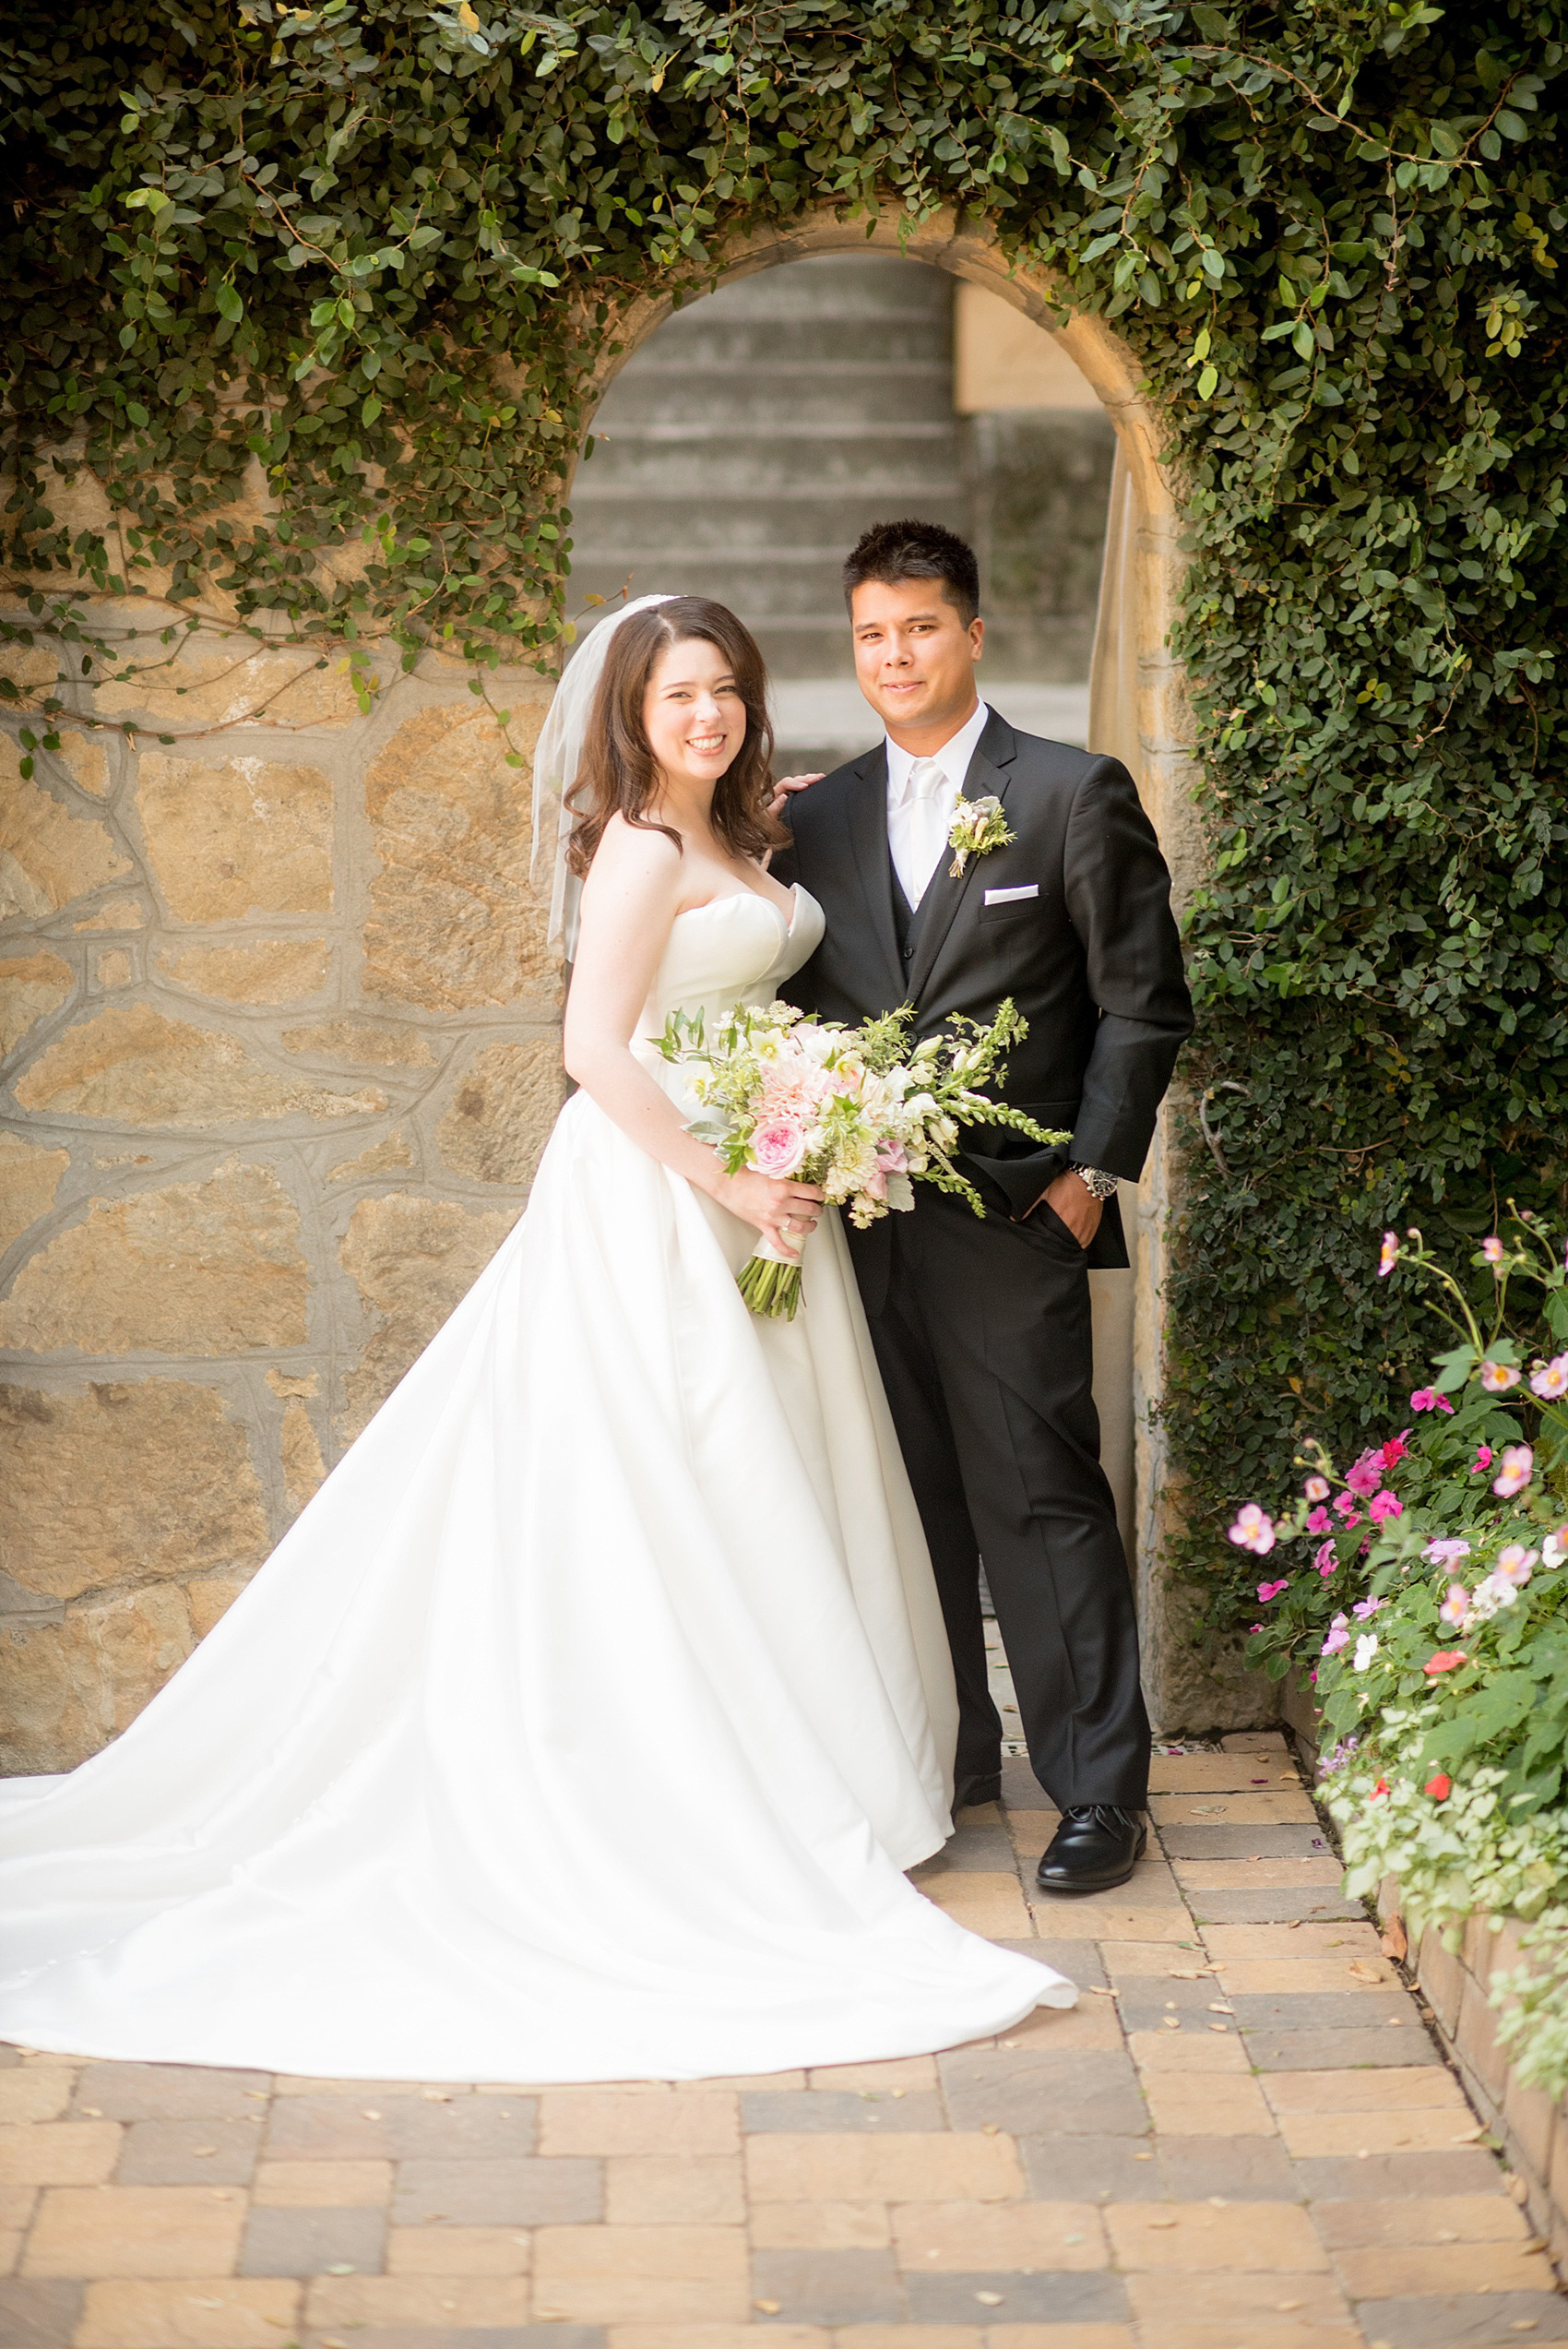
(1242, 2138)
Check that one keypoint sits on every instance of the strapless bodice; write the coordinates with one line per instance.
(736, 948)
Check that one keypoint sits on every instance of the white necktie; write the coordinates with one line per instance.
(925, 833)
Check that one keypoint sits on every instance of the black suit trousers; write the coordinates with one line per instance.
(982, 1334)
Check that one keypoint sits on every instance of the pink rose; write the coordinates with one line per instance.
(892, 1157)
(778, 1147)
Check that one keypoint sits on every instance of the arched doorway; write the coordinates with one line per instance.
(1133, 708)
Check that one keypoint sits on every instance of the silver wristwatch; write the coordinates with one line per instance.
(1098, 1185)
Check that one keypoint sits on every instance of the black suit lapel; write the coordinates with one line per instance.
(990, 773)
(866, 815)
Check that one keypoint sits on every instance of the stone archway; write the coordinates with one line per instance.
(279, 1046)
(1138, 714)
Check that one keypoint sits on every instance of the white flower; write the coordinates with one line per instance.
(1366, 1648)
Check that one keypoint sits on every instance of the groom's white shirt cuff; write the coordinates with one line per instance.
(914, 872)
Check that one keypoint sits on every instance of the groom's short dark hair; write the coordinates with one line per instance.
(892, 552)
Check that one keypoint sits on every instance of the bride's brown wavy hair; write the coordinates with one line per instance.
(619, 774)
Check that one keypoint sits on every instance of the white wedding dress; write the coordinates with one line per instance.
(583, 1723)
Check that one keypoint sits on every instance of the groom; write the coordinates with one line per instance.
(982, 1328)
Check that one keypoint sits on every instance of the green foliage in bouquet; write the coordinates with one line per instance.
(316, 292)
(1442, 1671)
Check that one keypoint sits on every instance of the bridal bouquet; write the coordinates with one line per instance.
(859, 1111)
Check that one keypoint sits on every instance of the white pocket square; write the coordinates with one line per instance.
(1012, 897)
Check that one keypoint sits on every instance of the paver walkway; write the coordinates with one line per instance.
(1242, 2138)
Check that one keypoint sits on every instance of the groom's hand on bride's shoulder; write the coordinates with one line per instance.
(786, 787)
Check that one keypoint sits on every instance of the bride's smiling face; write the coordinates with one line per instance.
(693, 714)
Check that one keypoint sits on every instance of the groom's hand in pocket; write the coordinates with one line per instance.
(1074, 1204)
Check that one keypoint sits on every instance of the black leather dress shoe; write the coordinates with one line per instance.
(1097, 1845)
(984, 1787)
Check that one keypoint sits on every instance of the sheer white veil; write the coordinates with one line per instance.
(556, 763)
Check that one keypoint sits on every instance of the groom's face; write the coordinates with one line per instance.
(915, 657)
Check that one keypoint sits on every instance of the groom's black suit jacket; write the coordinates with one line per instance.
(1093, 962)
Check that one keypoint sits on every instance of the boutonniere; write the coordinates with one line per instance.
(977, 828)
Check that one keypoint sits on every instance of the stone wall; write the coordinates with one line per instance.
(278, 1050)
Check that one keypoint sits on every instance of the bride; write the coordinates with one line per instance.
(583, 1724)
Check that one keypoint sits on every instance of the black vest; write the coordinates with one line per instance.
(906, 917)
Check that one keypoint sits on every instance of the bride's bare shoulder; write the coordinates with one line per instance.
(634, 856)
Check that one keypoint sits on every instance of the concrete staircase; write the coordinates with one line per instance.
(742, 451)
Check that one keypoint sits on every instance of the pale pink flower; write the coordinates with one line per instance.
(1513, 1563)
(1338, 1636)
(1518, 1467)
(778, 1147)
(1252, 1530)
(1389, 1257)
(1498, 1377)
(1456, 1605)
(1493, 1250)
(1316, 1488)
(1552, 1380)
(1447, 1550)
(892, 1157)
(1364, 1609)
(1383, 1506)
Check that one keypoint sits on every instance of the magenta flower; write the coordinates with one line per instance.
(1367, 1473)
(1326, 1559)
(1482, 1460)
(1383, 1506)
(1267, 1591)
(1428, 1399)
(1252, 1530)
(1345, 1510)
(1320, 1521)
(1518, 1467)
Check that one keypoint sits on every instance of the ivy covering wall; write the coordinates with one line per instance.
(314, 294)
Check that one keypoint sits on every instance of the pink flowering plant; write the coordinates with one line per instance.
(1430, 1610)
(862, 1111)
(1489, 1428)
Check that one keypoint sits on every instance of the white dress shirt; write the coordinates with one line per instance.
(918, 822)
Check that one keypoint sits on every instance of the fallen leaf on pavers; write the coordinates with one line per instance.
(990, 2128)
(1171, 2022)
(1218, 2006)
(1285, 2307)
(1524, 2324)
(201, 2152)
(767, 2307)
(988, 2299)
(342, 2268)
(1395, 1944)
(1218, 2026)
(370, 2117)
(1365, 1972)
